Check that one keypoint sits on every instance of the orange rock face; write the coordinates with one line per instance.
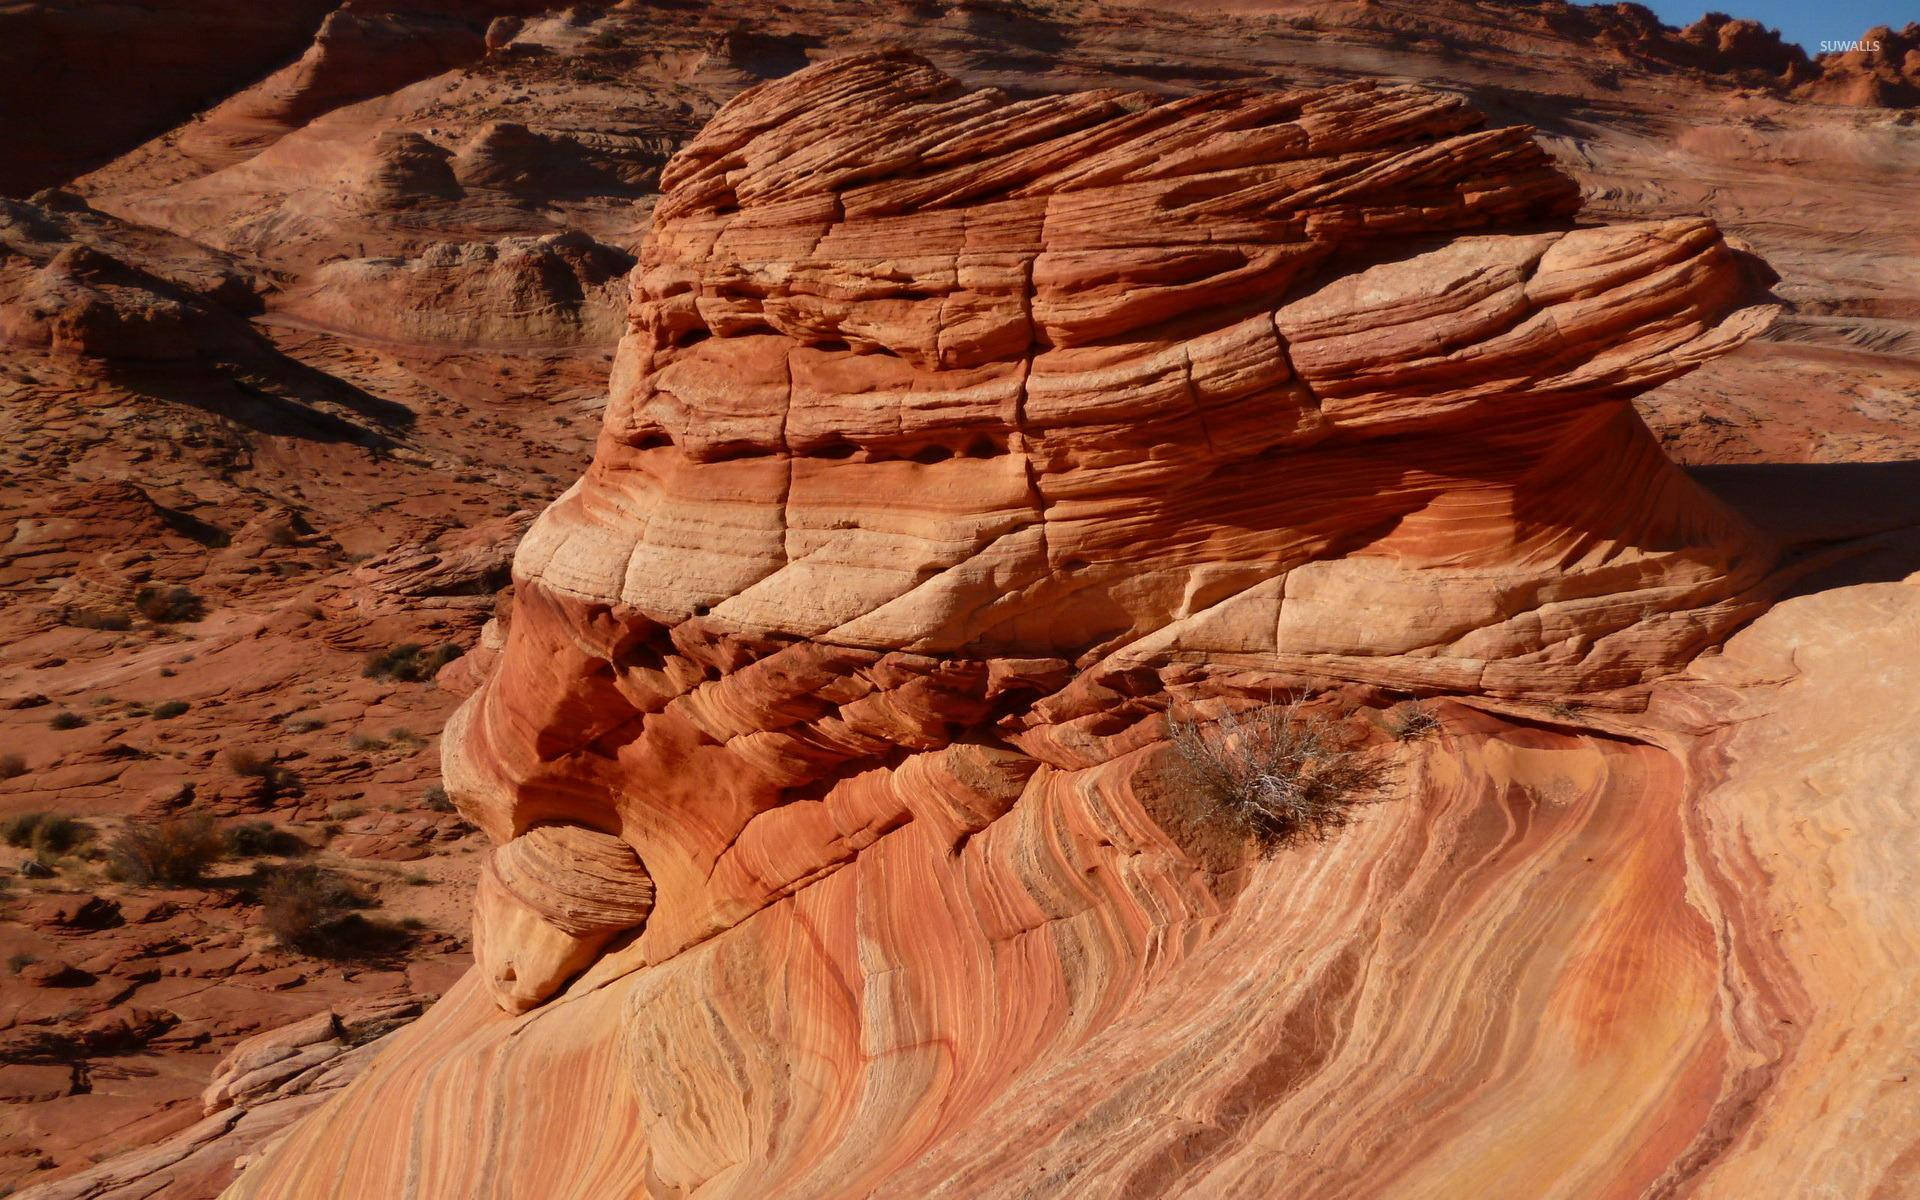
(954, 440)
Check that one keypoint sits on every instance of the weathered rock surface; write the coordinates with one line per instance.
(367, 483)
(559, 290)
(264, 1084)
(956, 439)
(549, 901)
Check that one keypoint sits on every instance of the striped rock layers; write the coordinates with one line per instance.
(953, 439)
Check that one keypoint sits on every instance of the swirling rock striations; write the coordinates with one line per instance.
(953, 440)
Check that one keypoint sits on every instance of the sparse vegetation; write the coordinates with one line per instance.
(167, 710)
(416, 879)
(302, 724)
(316, 911)
(174, 851)
(436, 800)
(364, 742)
(1276, 775)
(1564, 710)
(258, 839)
(66, 719)
(48, 835)
(166, 605)
(275, 780)
(410, 662)
(91, 618)
(12, 766)
(249, 762)
(1412, 723)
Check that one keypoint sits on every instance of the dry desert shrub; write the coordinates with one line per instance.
(93, 618)
(315, 911)
(48, 835)
(1278, 775)
(409, 662)
(259, 839)
(173, 851)
(169, 604)
(1413, 723)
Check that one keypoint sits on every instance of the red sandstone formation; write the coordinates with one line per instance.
(1591, 911)
(1884, 69)
(954, 439)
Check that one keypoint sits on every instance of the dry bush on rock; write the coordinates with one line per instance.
(315, 911)
(169, 604)
(174, 851)
(410, 662)
(1277, 775)
(257, 839)
(1413, 723)
(48, 835)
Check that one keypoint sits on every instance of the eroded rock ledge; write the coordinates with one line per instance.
(954, 438)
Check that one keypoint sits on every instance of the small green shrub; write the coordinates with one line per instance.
(436, 800)
(66, 719)
(166, 605)
(174, 850)
(167, 710)
(12, 766)
(410, 662)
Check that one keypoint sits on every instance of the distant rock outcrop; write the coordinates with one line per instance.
(118, 73)
(1883, 69)
(561, 289)
(956, 439)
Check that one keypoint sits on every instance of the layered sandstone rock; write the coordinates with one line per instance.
(954, 440)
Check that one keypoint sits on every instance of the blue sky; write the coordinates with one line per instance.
(1808, 23)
